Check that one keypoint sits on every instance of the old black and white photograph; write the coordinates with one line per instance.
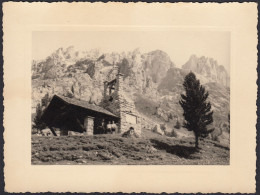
(130, 97)
(138, 97)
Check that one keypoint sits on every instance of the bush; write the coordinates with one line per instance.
(34, 131)
(163, 127)
(170, 116)
(38, 123)
(171, 134)
(178, 125)
(214, 137)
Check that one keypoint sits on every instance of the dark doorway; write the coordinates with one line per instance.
(100, 124)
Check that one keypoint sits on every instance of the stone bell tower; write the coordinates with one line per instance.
(116, 101)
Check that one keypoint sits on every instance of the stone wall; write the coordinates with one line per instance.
(127, 107)
(125, 125)
(112, 106)
(119, 104)
(89, 125)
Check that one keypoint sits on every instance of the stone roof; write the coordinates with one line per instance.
(86, 105)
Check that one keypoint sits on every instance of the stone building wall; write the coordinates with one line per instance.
(114, 105)
(125, 125)
(89, 125)
(122, 106)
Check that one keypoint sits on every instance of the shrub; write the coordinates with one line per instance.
(178, 125)
(34, 131)
(163, 127)
(38, 123)
(171, 133)
(214, 137)
(170, 116)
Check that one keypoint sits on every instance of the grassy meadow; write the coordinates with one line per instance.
(150, 149)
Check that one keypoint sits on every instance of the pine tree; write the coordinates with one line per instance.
(197, 110)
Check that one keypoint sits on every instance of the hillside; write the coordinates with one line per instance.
(151, 79)
(150, 149)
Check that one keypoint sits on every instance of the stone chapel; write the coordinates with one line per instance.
(73, 115)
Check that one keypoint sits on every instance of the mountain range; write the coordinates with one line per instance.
(151, 79)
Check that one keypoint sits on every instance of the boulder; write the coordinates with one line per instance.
(130, 134)
(46, 132)
(158, 129)
(74, 133)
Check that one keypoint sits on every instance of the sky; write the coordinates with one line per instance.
(179, 45)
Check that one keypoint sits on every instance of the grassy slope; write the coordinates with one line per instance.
(113, 149)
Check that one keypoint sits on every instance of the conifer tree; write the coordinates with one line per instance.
(197, 110)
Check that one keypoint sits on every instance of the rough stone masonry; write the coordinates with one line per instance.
(117, 102)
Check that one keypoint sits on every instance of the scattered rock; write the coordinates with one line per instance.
(81, 161)
(157, 129)
(151, 149)
(74, 133)
(46, 132)
(130, 134)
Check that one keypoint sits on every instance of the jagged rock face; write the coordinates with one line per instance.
(156, 65)
(208, 68)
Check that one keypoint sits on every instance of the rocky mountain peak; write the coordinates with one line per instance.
(156, 65)
(208, 68)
